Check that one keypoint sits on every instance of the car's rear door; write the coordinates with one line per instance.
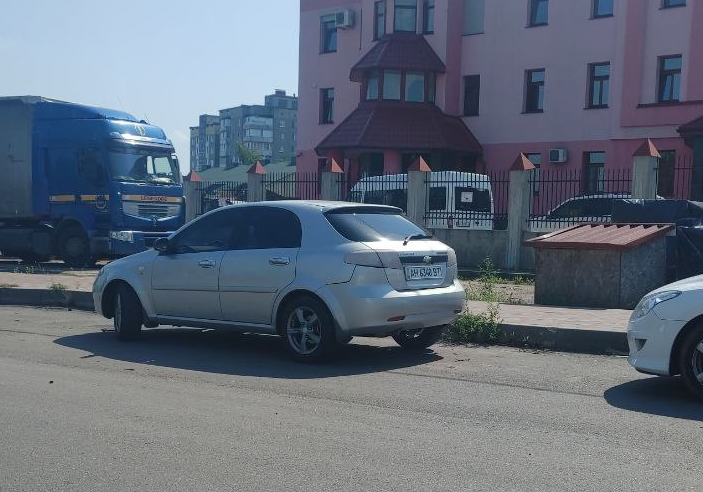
(261, 263)
(185, 280)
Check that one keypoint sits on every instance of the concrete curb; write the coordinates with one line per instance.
(565, 339)
(47, 298)
(558, 339)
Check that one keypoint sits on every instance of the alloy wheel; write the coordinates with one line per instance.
(304, 330)
(697, 362)
(118, 313)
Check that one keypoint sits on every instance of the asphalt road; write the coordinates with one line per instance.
(192, 410)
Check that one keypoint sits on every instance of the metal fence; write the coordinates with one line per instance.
(291, 186)
(674, 176)
(386, 189)
(563, 197)
(214, 194)
(458, 200)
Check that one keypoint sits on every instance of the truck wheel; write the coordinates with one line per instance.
(127, 318)
(418, 339)
(74, 248)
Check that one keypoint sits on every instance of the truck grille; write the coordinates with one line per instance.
(147, 209)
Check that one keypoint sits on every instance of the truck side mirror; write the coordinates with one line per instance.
(161, 245)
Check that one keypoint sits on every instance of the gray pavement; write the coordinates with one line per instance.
(191, 410)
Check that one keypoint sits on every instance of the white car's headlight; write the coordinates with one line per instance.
(648, 302)
(126, 236)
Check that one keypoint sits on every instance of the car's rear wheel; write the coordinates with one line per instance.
(307, 329)
(127, 317)
(691, 360)
(418, 339)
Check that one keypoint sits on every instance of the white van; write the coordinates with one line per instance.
(456, 200)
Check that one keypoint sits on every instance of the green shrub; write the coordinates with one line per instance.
(475, 327)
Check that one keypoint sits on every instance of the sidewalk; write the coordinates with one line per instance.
(556, 328)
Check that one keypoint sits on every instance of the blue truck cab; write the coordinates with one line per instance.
(83, 183)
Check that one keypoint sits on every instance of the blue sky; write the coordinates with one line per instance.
(167, 61)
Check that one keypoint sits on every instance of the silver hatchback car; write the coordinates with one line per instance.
(315, 273)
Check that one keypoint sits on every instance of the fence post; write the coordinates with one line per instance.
(329, 181)
(644, 171)
(191, 195)
(255, 182)
(519, 196)
(418, 172)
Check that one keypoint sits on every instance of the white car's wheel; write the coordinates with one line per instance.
(127, 317)
(691, 360)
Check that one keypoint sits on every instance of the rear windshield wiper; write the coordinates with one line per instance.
(415, 236)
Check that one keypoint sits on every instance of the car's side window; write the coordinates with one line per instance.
(600, 207)
(211, 233)
(573, 208)
(268, 228)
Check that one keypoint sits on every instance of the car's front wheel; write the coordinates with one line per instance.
(691, 360)
(418, 339)
(307, 329)
(127, 316)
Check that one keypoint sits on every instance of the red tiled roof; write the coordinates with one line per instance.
(692, 129)
(403, 126)
(601, 236)
(399, 51)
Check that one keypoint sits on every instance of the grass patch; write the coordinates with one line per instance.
(57, 287)
(479, 328)
(490, 287)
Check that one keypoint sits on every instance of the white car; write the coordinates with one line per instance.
(665, 333)
(316, 273)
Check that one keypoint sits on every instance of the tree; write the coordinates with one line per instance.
(245, 155)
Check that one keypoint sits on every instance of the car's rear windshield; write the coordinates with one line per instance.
(372, 225)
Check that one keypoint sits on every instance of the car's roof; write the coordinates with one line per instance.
(310, 205)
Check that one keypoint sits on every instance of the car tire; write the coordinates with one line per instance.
(127, 316)
(307, 329)
(74, 248)
(691, 360)
(418, 339)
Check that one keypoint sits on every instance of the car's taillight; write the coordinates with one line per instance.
(376, 259)
(451, 260)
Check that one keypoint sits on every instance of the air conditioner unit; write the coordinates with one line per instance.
(344, 19)
(558, 155)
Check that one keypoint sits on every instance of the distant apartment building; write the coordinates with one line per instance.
(468, 84)
(268, 129)
(204, 142)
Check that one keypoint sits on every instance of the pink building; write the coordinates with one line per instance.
(468, 84)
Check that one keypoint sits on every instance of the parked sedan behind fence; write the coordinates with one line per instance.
(315, 273)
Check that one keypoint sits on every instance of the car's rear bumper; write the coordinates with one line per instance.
(361, 308)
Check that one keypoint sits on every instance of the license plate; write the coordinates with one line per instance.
(424, 272)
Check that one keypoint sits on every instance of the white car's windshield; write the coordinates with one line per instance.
(143, 166)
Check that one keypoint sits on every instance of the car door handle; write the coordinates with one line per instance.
(206, 263)
(279, 260)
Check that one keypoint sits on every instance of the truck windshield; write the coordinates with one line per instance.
(143, 166)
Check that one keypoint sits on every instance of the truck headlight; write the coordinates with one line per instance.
(650, 301)
(125, 236)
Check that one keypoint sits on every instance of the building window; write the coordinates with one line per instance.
(391, 85)
(598, 85)
(415, 87)
(328, 34)
(534, 91)
(427, 16)
(539, 12)
(405, 16)
(673, 3)
(535, 159)
(472, 90)
(379, 19)
(326, 105)
(431, 86)
(372, 86)
(602, 8)
(666, 173)
(669, 78)
(474, 11)
(594, 172)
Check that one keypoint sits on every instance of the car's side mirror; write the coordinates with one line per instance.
(161, 245)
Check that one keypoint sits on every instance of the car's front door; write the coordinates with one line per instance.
(260, 264)
(185, 279)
